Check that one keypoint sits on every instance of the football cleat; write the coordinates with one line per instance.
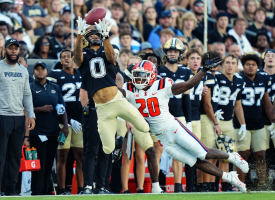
(232, 177)
(237, 160)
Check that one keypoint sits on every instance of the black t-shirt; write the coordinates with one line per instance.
(221, 5)
(147, 29)
(270, 18)
(58, 47)
(70, 88)
(181, 75)
(252, 95)
(198, 31)
(271, 94)
(230, 91)
(232, 18)
(253, 28)
(99, 71)
(215, 36)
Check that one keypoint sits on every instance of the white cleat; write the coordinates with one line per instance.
(237, 160)
(232, 177)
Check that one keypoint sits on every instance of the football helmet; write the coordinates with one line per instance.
(173, 44)
(226, 144)
(144, 74)
(87, 42)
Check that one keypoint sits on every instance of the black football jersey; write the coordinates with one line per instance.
(271, 94)
(230, 91)
(70, 86)
(99, 71)
(211, 82)
(181, 75)
(251, 97)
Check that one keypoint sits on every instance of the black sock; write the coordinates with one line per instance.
(68, 188)
(80, 189)
(190, 175)
(62, 190)
(178, 187)
(212, 187)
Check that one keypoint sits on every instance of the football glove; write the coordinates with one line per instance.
(226, 144)
(60, 109)
(210, 64)
(271, 128)
(81, 26)
(189, 126)
(103, 27)
(218, 115)
(76, 126)
(242, 132)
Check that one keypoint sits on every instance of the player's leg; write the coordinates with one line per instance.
(121, 127)
(258, 145)
(158, 150)
(62, 154)
(140, 169)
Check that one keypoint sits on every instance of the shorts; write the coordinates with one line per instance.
(208, 135)
(228, 129)
(268, 137)
(254, 139)
(73, 140)
(182, 145)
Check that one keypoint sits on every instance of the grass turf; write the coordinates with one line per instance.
(200, 196)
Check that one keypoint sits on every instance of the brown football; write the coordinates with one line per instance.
(95, 15)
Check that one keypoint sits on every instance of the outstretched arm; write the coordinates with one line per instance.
(78, 56)
(109, 51)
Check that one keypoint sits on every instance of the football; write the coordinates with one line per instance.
(95, 15)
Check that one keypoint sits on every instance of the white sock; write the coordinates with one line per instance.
(225, 176)
(156, 188)
(231, 157)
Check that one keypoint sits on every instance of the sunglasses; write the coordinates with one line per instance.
(199, 5)
(198, 46)
(46, 43)
(174, 10)
(19, 2)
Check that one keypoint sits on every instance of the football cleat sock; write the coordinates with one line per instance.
(156, 188)
(178, 187)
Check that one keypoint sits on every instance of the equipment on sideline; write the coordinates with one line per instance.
(95, 15)
(226, 144)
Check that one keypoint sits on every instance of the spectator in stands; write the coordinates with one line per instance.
(165, 21)
(69, 40)
(58, 37)
(11, 13)
(268, 5)
(136, 21)
(153, 58)
(80, 8)
(2, 43)
(44, 136)
(258, 26)
(37, 14)
(219, 47)
(216, 6)
(198, 8)
(24, 52)
(66, 19)
(233, 10)
(150, 15)
(123, 58)
(165, 35)
(250, 7)
(54, 10)
(188, 24)
(23, 61)
(238, 31)
(176, 23)
(236, 50)
(4, 29)
(125, 40)
(218, 34)
(162, 4)
(45, 5)
(147, 47)
(196, 43)
(262, 42)
(43, 49)
(138, 4)
(228, 41)
(117, 12)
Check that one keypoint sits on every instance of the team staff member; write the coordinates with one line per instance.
(14, 96)
(69, 80)
(49, 109)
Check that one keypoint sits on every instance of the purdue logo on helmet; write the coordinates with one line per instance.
(226, 144)
(87, 42)
(173, 44)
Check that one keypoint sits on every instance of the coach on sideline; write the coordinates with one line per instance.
(15, 94)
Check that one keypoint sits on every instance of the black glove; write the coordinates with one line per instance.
(210, 64)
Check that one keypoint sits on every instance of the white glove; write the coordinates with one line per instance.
(76, 126)
(218, 115)
(271, 128)
(104, 27)
(242, 132)
(189, 126)
(60, 109)
(81, 26)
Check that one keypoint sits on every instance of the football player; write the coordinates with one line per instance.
(254, 95)
(231, 86)
(151, 97)
(98, 61)
(69, 80)
(209, 123)
(171, 70)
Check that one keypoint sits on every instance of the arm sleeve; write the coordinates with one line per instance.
(186, 106)
(51, 77)
(209, 80)
(27, 98)
(168, 87)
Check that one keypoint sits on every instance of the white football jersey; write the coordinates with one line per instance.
(153, 104)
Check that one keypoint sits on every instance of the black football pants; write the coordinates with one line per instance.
(12, 130)
(95, 160)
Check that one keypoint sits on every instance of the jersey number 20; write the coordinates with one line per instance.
(97, 67)
(152, 104)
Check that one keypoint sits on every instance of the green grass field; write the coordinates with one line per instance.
(200, 196)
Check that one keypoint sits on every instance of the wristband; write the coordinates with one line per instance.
(216, 124)
(107, 37)
(27, 139)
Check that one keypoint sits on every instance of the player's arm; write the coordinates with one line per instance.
(81, 27)
(122, 91)
(119, 80)
(238, 108)
(267, 105)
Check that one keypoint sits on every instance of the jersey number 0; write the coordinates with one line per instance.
(97, 67)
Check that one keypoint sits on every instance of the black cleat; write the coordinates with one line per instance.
(126, 192)
(140, 191)
(87, 190)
